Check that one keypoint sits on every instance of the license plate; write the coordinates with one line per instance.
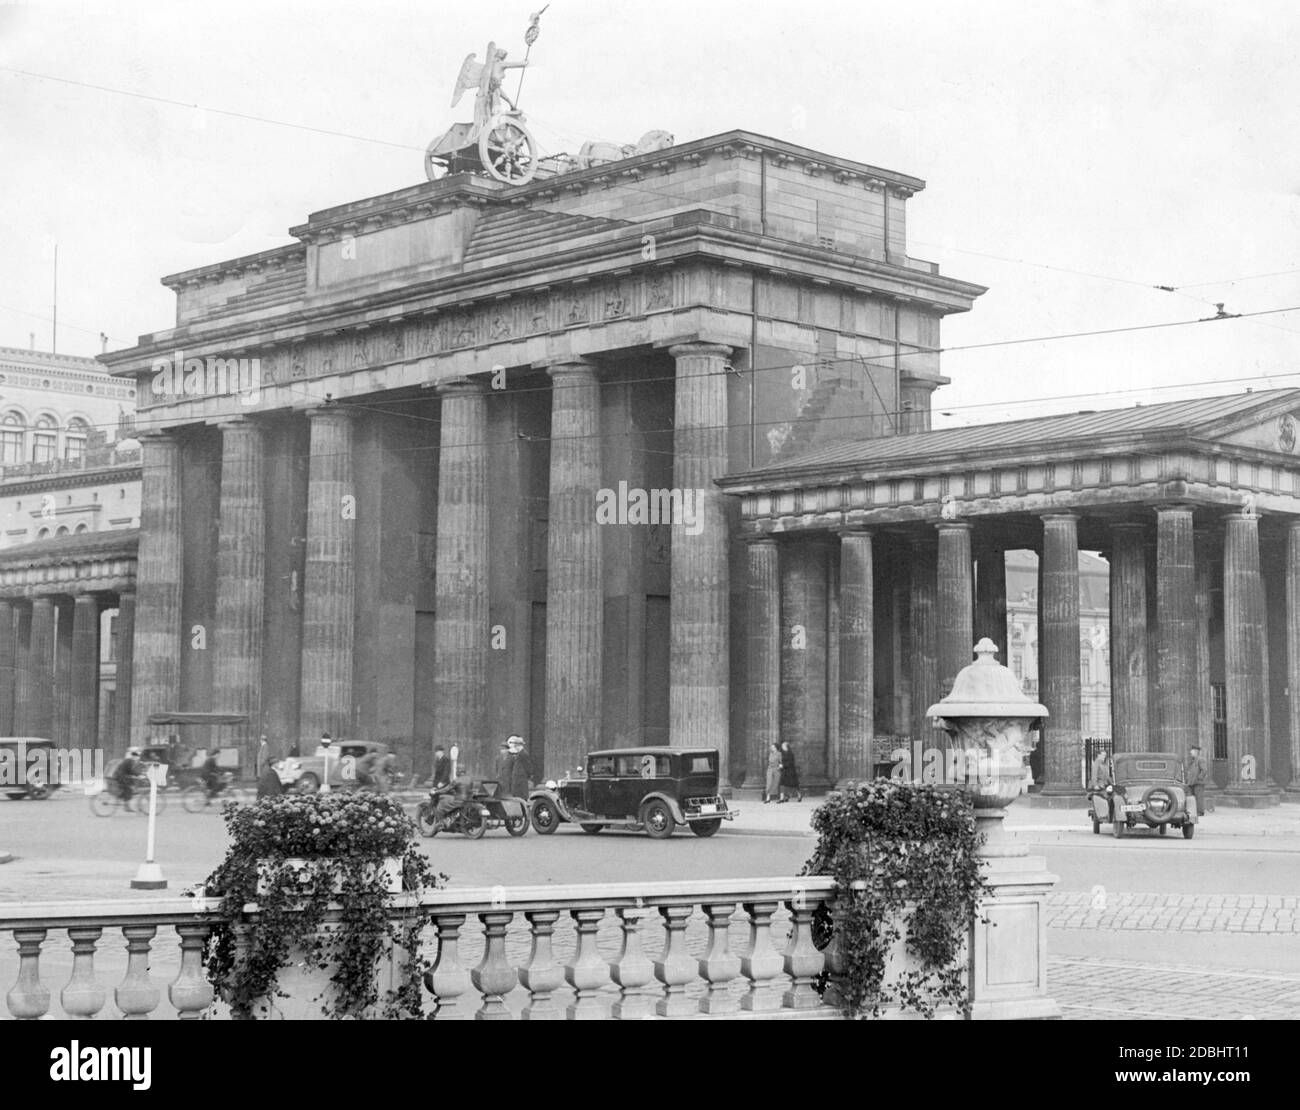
(708, 809)
(1133, 809)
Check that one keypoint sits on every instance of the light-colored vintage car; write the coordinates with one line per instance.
(305, 773)
(1148, 790)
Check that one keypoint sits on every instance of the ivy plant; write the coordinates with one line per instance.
(302, 879)
(903, 857)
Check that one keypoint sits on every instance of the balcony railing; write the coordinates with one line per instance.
(731, 948)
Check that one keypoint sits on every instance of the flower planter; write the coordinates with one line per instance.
(386, 873)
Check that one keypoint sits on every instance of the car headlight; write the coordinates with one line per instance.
(551, 784)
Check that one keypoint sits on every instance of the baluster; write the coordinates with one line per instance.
(190, 992)
(448, 980)
(29, 999)
(802, 962)
(543, 976)
(720, 965)
(763, 963)
(84, 996)
(676, 969)
(833, 954)
(633, 971)
(494, 977)
(588, 972)
(137, 997)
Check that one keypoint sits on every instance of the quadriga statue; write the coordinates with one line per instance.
(597, 154)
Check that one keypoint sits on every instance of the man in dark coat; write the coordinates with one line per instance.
(268, 782)
(789, 773)
(441, 767)
(1196, 774)
(521, 769)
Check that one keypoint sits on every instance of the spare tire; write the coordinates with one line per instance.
(1159, 804)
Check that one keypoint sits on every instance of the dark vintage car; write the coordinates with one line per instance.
(1148, 790)
(655, 789)
(28, 767)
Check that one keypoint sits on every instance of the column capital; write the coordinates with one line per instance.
(1052, 516)
(566, 365)
(686, 348)
(1173, 507)
(244, 424)
(755, 538)
(953, 525)
(458, 387)
(855, 530)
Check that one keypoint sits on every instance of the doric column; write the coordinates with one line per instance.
(924, 656)
(329, 577)
(804, 655)
(83, 712)
(8, 658)
(1243, 653)
(1176, 620)
(157, 645)
(241, 578)
(955, 617)
(62, 669)
(1058, 667)
(857, 656)
(124, 671)
(574, 566)
(699, 666)
(1292, 652)
(763, 703)
(1128, 639)
(1203, 542)
(23, 669)
(991, 599)
(460, 626)
(42, 667)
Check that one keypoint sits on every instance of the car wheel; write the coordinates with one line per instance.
(38, 792)
(517, 826)
(1168, 805)
(1120, 827)
(706, 828)
(591, 830)
(473, 824)
(18, 796)
(658, 820)
(1189, 831)
(544, 816)
(425, 819)
(306, 784)
(1164, 828)
(1096, 827)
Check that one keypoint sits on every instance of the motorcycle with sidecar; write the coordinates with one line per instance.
(485, 808)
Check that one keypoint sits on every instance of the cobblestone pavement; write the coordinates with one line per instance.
(1088, 988)
(1181, 913)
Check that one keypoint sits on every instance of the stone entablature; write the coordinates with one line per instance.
(80, 565)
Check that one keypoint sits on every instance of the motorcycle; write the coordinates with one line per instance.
(483, 810)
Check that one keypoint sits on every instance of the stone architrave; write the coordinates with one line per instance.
(1128, 638)
(699, 665)
(1244, 634)
(8, 663)
(461, 626)
(1292, 653)
(1176, 621)
(241, 578)
(83, 714)
(763, 702)
(156, 650)
(123, 680)
(574, 575)
(329, 577)
(857, 656)
(1058, 668)
(42, 667)
(955, 593)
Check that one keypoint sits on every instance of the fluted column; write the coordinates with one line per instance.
(574, 569)
(157, 646)
(1058, 674)
(763, 659)
(42, 667)
(955, 616)
(62, 670)
(83, 712)
(124, 672)
(241, 577)
(8, 661)
(1128, 639)
(1292, 652)
(1176, 621)
(924, 656)
(991, 599)
(857, 655)
(23, 669)
(329, 576)
(699, 667)
(460, 626)
(1243, 653)
(1203, 542)
(804, 656)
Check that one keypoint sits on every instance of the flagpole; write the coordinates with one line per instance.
(530, 37)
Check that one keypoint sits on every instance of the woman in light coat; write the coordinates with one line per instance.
(773, 773)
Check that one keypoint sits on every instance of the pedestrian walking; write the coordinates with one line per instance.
(265, 754)
(501, 769)
(773, 783)
(1196, 774)
(789, 773)
(520, 781)
(441, 767)
(268, 782)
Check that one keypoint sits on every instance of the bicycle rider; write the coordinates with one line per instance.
(211, 775)
(126, 773)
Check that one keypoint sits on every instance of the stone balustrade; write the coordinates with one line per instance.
(726, 948)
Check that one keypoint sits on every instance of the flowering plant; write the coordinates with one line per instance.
(306, 870)
(902, 855)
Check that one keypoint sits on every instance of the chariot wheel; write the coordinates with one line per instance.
(508, 152)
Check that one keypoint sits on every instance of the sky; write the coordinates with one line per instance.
(1077, 155)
